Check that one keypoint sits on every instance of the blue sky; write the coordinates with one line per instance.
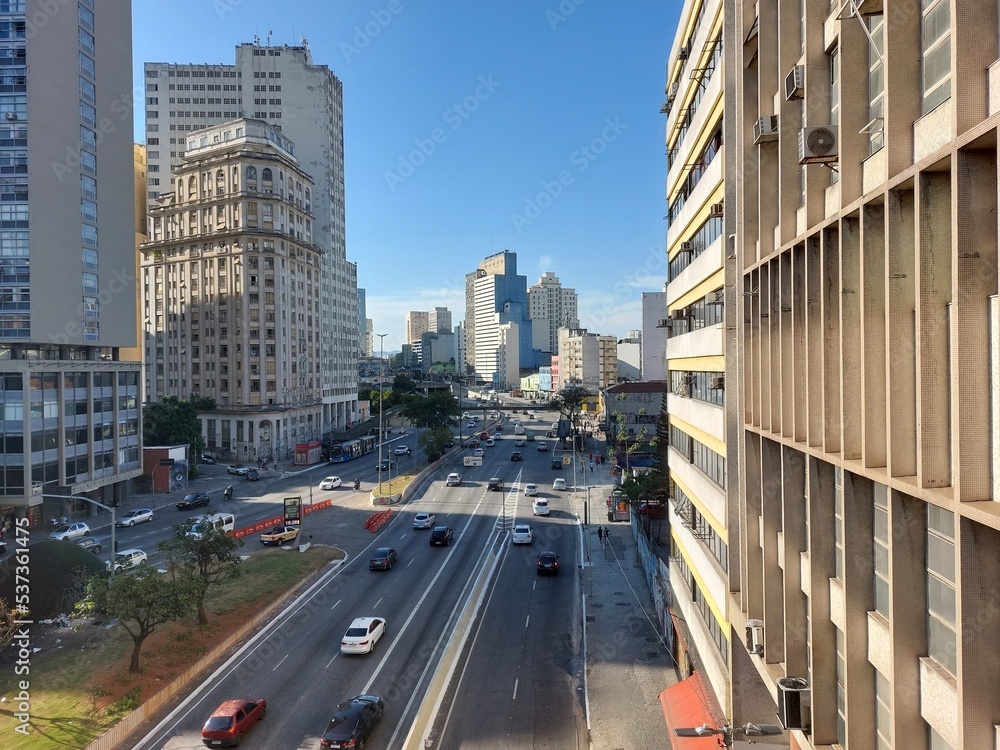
(471, 127)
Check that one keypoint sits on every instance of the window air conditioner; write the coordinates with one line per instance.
(755, 636)
(664, 323)
(765, 129)
(818, 145)
(687, 247)
(795, 83)
(716, 210)
(672, 91)
(715, 298)
(793, 703)
(682, 53)
(718, 383)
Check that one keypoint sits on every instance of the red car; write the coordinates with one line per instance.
(230, 722)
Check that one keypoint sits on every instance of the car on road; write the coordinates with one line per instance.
(253, 475)
(516, 456)
(384, 464)
(441, 536)
(478, 452)
(497, 436)
(402, 450)
(352, 722)
(470, 425)
(450, 444)
(519, 443)
(230, 722)
(238, 469)
(208, 459)
(530, 489)
(542, 447)
(128, 559)
(330, 483)
(90, 544)
(454, 480)
(362, 635)
(540, 507)
(193, 500)
(71, 531)
(382, 558)
(495, 484)
(139, 515)
(423, 521)
(559, 483)
(556, 463)
(521, 534)
(490, 443)
(279, 535)
(548, 564)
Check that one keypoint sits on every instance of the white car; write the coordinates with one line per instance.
(489, 443)
(423, 521)
(558, 483)
(128, 559)
(477, 452)
(330, 483)
(521, 535)
(402, 450)
(519, 443)
(531, 490)
(135, 516)
(71, 531)
(543, 447)
(540, 507)
(497, 436)
(362, 636)
(454, 480)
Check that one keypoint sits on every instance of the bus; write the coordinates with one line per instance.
(346, 451)
(368, 444)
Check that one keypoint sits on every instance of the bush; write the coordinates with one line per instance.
(59, 571)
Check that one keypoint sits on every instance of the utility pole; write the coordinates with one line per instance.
(381, 406)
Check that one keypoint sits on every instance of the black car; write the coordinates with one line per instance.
(548, 564)
(441, 536)
(382, 559)
(353, 721)
(495, 484)
(384, 466)
(253, 475)
(89, 543)
(194, 500)
(516, 456)
(556, 463)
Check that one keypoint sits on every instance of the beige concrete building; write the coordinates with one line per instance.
(416, 325)
(231, 282)
(587, 359)
(551, 306)
(862, 166)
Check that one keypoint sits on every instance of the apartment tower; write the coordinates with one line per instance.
(551, 306)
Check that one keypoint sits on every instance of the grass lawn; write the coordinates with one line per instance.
(81, 686)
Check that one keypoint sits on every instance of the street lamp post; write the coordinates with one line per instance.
(381, 409)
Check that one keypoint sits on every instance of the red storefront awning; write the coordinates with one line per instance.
(690, 703)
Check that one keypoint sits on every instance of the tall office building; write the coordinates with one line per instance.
(699, 454)
(231, 282)
(864, 167)
(362, 319)
(282, 86)
(417, 323)
(495, 296)
(71, 421)
(551, 306)
(439, 320)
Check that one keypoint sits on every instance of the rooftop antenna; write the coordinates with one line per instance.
(269, 32)
(256, 40)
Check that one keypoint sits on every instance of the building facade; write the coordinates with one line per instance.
(497, 296)
(304, 101)
(439, 320)
(231, 278)
(417, 324)
(587, 359)
(654, 336)
(630, 356)
(551, 306)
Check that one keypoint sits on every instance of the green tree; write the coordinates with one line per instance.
(402, 384)
(205, 560)
(439, 409)
(569, 402)
(141, 602)
(433, 441)
(644, 489)
(171, 421)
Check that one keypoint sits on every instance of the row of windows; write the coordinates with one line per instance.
(701, 386)
(705, 77)
(699, 314)
(700, 455)
(694, 171)
(704, 530)
(700, 602)
(701, 240)
(196, 74)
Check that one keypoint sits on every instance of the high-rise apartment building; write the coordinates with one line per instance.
(863, 162)
(700, 459)
(231, 280)
(551, 306)
(362, 319)
(587, 359)
(304, 101)
(439, 320)
(417, 323)
(71, 422)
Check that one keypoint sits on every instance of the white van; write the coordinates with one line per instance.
(220, 521)
(518, 429)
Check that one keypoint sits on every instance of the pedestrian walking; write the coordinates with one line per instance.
(600, 535)
(591, 467)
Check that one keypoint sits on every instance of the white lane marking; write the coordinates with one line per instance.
(279, 663)
(335, 605)
(527, 620)
(332, 661)
(514, 696)
(410, 562)
(375, 605)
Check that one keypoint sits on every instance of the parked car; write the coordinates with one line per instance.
(330, 483)
(207, 459)
(402, 450)
(540, 507)
(516, 456)
(382, 558)
(352, 722)
(521, 534)
(423, 521)
(548, 564)
(362, 635)
(454, 480)
(70, 532)
(495, 484)
(128, 559)
(193, 500)
(559, 483)
(238, 469)
(441, 536)
(542, 447)
(230, 722)
(530, 490)
(279, 535)
(133, 517)
(90, 544)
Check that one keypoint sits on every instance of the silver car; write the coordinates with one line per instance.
(135, 516)
(70, 532)
(423, 520)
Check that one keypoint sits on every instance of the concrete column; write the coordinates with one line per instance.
(813, 359)
(873, 350)
(859, 599)
(774, 594)
(850, 335)
(830, 301)
(901, 387)
(820, 490)
(793, 507)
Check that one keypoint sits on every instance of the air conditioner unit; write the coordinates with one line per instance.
(793, 703)
(664, 323)
(10, 115)
(755, 636)
(678, 314)
(672, 91)
(687, 247)
(795, 83)
(718, 383)
(765, 129)
(665, 108)
(715, 298)
(716, 210)
(683, 52)
(818, 145)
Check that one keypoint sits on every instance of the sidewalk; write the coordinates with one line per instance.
(628, 666)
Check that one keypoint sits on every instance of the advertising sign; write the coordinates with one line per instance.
(293, 511)
(472, 461)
